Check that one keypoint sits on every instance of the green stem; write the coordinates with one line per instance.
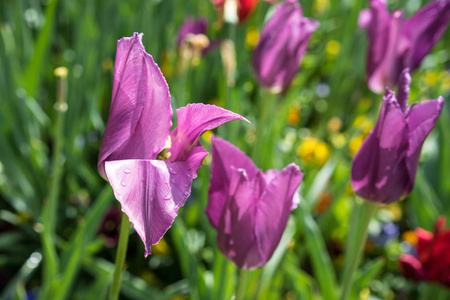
(242, 284)
(50, 207)
(358, 241)
(120, 257)
(223, 278)
(264, 129)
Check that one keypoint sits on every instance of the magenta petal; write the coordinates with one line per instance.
(235, 234)
(192, 121)
(378, 34)
(378, 171)
(364, 18)
(425, 29)
(273, 209)
(150, 192)
(421, 120)
(403, 89)
(224, 155)
(140, 116)
(283, 43)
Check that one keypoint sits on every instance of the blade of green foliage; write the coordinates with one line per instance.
(320, 259)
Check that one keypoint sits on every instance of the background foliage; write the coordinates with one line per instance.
(319, 124)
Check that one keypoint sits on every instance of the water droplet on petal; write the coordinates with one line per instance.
(189, 176)
(172, 180)
(123, 183)
(119, 193)
(127, 171)
(172, 171)
(142, 179)
(167, 197)
(186, 193)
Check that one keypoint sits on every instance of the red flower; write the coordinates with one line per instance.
(433, 256)
(244, 7)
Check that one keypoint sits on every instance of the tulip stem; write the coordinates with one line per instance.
(264, 128)
(242, 284)
(355, 244)
(49, 212)
(120, 257)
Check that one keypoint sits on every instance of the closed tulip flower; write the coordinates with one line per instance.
(249, 208)
(150, 169)
(432, 262)
(396, 43)
(283, 42)
(384, 169)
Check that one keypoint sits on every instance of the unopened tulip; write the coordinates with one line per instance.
(396, 43)
(283, 42)
(249, 208)
(384, 169)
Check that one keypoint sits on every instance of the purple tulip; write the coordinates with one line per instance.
(249, 209)
(150, 169)
(384, 169)
(283, 42)
(396, 43)
(191, 26)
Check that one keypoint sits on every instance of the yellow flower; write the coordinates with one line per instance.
(333, 48)
(321, 153)
(355, 144)
(319, 6)
(312, 150)
(338, 140)
(61, 72)
(294, 116)
(161, 249)
(252, 37)
(431, 78)
(207, 136)
(410, 237)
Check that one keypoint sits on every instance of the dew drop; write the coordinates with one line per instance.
(172, 171)
(123, 183)
(189, 176)
(172, 180)
(127, 171)
(119, 193)
(186, 193)
(142, 179)
(167, 197)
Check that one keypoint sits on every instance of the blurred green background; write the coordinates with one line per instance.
(319, 124)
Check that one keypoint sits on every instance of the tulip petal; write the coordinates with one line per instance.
(273, 209)
(378, 171)
(140, 114)
(224, 155)
(403, 89)
(425, 29)
(421, 120)
(377, 31)
(364, 18)
(411, 267)
(194, 120)
(283, 42)
(235, 234)
(150, 192)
